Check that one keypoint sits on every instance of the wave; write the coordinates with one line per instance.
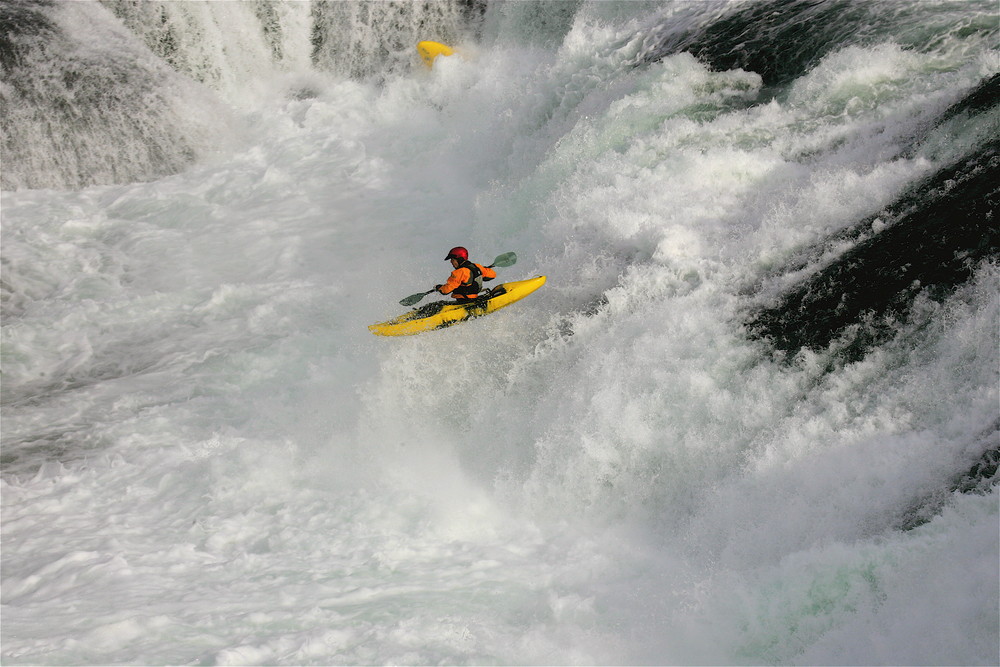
(750, 418)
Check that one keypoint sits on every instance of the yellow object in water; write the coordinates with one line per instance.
(430, 50)
(438, 316)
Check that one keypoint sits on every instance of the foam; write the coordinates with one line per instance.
(209, 459)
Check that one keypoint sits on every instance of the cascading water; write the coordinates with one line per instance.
(84, 102)
(79, 73)
(752, 418)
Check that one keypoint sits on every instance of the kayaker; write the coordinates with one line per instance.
(466, 281)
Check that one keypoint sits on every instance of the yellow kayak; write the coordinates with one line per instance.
(444, 314)
(430, 50)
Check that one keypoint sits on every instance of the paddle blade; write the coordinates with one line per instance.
(413, 298)
(506, 259)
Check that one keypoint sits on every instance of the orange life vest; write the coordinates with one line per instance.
(466, 281)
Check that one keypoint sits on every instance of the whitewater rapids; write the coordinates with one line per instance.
(208, 459)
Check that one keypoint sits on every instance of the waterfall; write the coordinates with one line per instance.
(116, 91)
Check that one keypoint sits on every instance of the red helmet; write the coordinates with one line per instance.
(458, 252)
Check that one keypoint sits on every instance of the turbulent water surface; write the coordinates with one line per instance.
(752, 418)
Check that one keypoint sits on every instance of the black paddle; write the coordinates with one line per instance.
(503, 261)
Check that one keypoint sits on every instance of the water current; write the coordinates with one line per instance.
(752, 417)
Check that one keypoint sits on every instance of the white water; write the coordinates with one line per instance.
(212, 461)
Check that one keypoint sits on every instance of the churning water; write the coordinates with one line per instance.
(751, 418)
